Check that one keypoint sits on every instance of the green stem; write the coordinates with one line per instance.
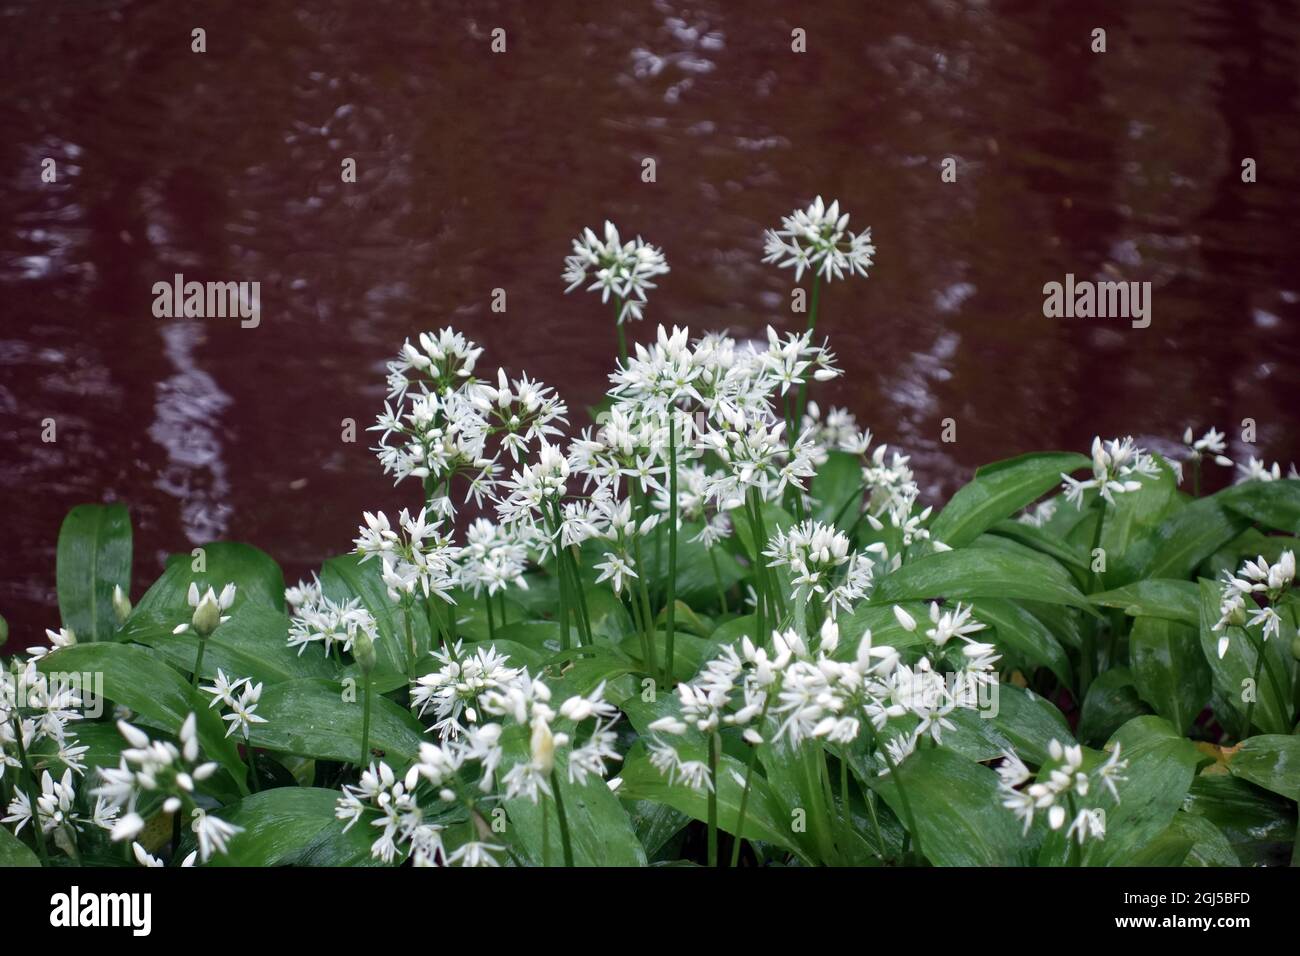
(198, 662)
(29, 784)
(812, 325)
(492, 624)
(714, 745)
(618, 324)
(1250, 704)
(672, 545)
(252, 765)
(907, 805)
(717, 579)
(365, 727)
(564, 821)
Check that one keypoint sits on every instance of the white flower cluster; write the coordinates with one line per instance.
(494, 557)
(1116, 467)
(1062, 783)
(1259, 470)
(159, 766)
(58, 813)
(1210, 445)
(1254, 579)
(822, 564)
(621, 269)
(240, 697)
(318, 619)
(43, 708)
(441, 423)
(483, 685)
(420, 560)
(818, 239)
(788, 695)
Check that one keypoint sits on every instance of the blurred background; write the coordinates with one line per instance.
(476, 170)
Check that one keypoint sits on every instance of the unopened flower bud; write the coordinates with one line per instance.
(363, 651)
(543, 746)
(207, 615)
(121, 604)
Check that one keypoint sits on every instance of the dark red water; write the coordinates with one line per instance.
(475, 171)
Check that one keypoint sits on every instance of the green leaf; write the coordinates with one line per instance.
(312, 718)
(1274, 504)
(600, 830)
(957, 809)
(1271, 761)
(1259, 826)
(294, 826)
(999, 490)
(253, 643)
(1209, 844)
(1043, 540)
(837, 483)
(642, 781)
(1164, 598)
(1112, 700)
(1169, 669)
(1161, 765)
(980, 573)
(1180, 542)
(160, 697)
(345, 577)
(94, 555)
(13, 852)
(1020, 632)
(256, 576)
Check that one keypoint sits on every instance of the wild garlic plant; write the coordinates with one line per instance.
(622, 270)
(1260, 596)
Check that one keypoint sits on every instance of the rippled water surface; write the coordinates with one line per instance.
(475, 171)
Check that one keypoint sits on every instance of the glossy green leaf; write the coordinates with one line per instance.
(1271, 761)
(294, 826)
(957, 809)
(1232, 672)
(159, 696)
(13, 852)
(1169, 669)
(999, 490)
(1259, 826)
(1042, 540)
(94, 555)
(1017, 630)
(1112, 701)
(980, 573)
(322, 719)
(1274, 504)
(1165, 598)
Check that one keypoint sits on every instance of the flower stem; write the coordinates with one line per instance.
(365, 727)
(907, 806)
(564, 820)
(812, 325)
(714, 745)
(29, 784)
(198, 662)
(618, 324)
(492, 624)
(717, 579)
(252, 765)
(672, 546)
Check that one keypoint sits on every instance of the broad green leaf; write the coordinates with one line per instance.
(1042, 540)
(956, 806)
(837, 489)
(294, 826)
(160, 697)
(1271, 761)
(1029, 722)
(980, 573)
(1020, 632)
(1112, 700)
(253, 643)
(600, 829)
(1274, 504)
(1161, 765)
(94, 555)
(1165, 598)
(257, 578)
(13, 852)
(999, 490)
(1134, 513)
(1180, 542)
(1209, 844)
(322, 719)
(1169, 669)
(642, 781)
(1259, 826)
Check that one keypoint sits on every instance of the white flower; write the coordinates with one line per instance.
(624, 270)
(1116, 467)
(207, 609)
(817, 238)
